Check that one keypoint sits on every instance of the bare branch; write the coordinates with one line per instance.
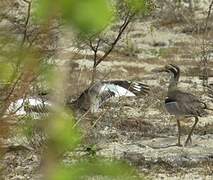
(121, 30)
(207, 18)
(27, 20)
(204, 58)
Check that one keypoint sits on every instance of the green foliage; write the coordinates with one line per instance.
(8, 58)
(86, 16)
(47, 73)
(29, 126)
(6, 71)
(95, 167)
(134, 7)
(90, 16)
(62, 135)
(15, 58)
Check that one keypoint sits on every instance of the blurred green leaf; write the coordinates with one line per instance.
(95, 167)
(138, 6)
(46, 9)
(86, 16)
(47, 74)
(29, 125)
(6, 71)
(61, 133)
(90, 16)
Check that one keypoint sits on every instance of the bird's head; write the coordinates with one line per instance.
(172, 69)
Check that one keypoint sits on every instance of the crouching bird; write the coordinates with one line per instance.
(34, 106)
(99, 93)
(91, 99)
(182, 104)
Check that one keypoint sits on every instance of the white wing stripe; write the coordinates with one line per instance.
(18, 106)
(118, 90)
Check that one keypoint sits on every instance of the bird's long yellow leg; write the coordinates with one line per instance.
(190, 133)
(179, 133)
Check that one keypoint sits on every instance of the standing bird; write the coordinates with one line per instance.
(98, 94)
(182, 104)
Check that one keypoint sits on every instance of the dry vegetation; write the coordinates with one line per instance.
(134, 129)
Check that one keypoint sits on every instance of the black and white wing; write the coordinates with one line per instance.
(93, 97)
(99, 93)
(29, 105)
(210, 90)
(127, 88)
(118, 88)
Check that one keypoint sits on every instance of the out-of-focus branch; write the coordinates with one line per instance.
(18, 90)
(27, 20)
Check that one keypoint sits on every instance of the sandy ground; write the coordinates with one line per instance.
(139, 130)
